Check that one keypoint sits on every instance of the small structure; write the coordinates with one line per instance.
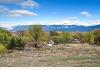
(50, 44)
(76, 41)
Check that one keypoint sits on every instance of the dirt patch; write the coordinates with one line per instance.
(62, 55)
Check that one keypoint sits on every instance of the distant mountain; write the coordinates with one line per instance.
(66, 28)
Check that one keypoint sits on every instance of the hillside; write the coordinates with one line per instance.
(66, 28)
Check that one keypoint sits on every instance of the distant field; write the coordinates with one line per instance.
(68, 55)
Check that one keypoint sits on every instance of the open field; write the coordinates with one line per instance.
(69, 55)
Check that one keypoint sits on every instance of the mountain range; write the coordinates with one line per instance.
(66, 28)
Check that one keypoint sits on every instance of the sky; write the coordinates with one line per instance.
(49, 12)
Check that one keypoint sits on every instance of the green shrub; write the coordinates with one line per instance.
(5, 37)
(57, 39)
(3, 49)
(17, 42)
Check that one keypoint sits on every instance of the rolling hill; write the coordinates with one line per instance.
(66, 28)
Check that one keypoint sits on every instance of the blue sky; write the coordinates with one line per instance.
(49, 12)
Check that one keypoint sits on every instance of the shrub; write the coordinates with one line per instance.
(89, 38)
(5, 37)
(97, 36)
(57, 39)
(3, 49)
(17, 42)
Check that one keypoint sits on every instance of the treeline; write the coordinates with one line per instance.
(76, 37)
(36, 35)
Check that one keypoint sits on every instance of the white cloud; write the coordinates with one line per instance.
(6, 25)
(8, 1)
(59, 22)
(29, 3)
(74, 22)
(3, 9)
(15, 13)
(53, 22)
(19, 13)
(68, 22)
(11, 1)
(22, 3)
(73, 18)
(10, 25)
(95, 22)
(86, 14)
(17, 2)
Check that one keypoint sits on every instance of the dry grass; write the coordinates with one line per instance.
(62, 55)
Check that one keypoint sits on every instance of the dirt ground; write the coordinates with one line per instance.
(68, 55)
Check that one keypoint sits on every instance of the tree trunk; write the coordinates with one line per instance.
(37, 45)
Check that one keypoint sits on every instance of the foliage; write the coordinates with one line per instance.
(57, 39)
(53, 33)
(36, 32)
(89, 37)
(67, 37)
(63, 37)
(96, 32)
(97, 36)
(37, 35)
(3, 49)
(5, 37)
(17, 42)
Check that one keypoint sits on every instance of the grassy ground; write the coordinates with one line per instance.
(69, 55)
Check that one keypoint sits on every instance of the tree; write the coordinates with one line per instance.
(36, 32)
(89, 37)
(5, 37)
(97, 36)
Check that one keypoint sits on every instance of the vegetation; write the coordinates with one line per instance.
(97, 36)
(5, 37)
(66, 51)
(3, 49)
(36, 35)
(89, 38)
(17, 42)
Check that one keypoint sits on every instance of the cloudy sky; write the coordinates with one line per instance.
(49, 12)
